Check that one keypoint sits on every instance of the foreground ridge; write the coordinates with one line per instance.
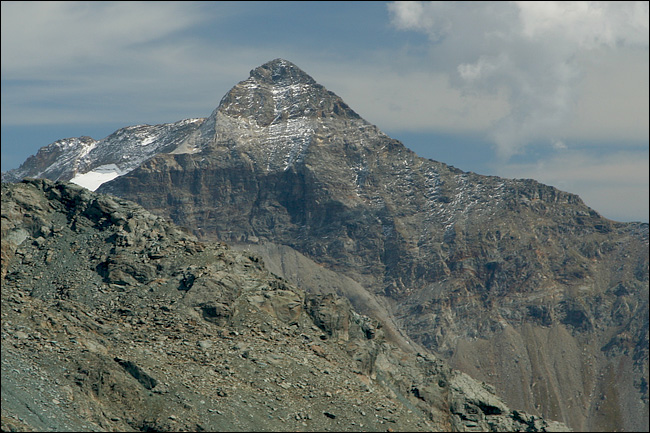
(114, 319)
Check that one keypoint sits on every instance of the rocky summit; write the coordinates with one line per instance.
(113, 319)
(516, 283)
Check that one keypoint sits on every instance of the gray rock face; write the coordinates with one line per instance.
(512, 281)
(115, 320)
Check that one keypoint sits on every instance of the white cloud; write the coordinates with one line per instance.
(131, 62)
(538, 54)
(586, 25)
(426, 16)
(559, 145)
(40, 38)
(611, 98)
(410, 98)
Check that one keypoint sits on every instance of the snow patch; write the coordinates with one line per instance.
(98, 176)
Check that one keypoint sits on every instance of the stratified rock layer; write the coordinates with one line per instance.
(115, 320)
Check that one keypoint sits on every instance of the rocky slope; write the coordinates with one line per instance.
(512, 281)
(115, 320)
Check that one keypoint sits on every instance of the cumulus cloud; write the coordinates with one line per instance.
(535, 53)
(586, 25)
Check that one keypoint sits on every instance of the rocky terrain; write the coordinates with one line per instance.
(115, 320)
(514, 282)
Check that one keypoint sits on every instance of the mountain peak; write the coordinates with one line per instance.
(279, 91)
(280, 72)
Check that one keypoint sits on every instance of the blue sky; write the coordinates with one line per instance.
(554, 91)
